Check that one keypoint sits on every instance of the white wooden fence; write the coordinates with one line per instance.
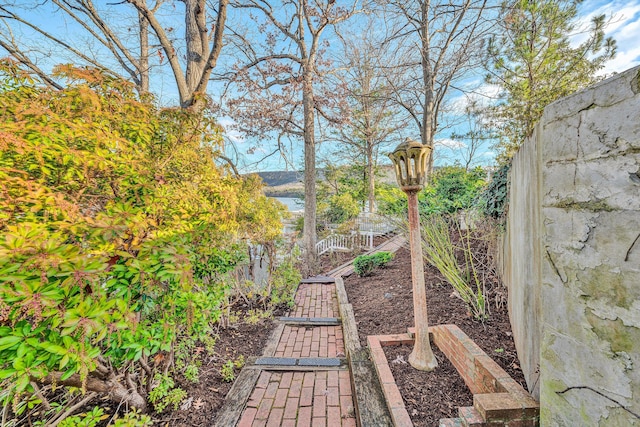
(343, 242)
(373, 223)
(368, 226)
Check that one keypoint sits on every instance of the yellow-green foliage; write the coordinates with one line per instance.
(441, 253)
(115, 222)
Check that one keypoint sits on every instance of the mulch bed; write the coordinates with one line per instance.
(208, 394)
(421, 389)
(383, 304)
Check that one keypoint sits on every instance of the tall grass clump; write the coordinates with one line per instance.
(454, 261)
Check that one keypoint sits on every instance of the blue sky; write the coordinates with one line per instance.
(624, 26)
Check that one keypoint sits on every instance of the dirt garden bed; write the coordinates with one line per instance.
(383, 304)
(207, 395)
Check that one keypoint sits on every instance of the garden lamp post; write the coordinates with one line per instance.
(410, 159)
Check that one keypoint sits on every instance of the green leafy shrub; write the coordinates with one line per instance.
(364, 265)
(116, 225)
(391, 200)
(87, 419)
(340, 192)
(341, 208)
(451, 189)
(494, 199)
(133, 418)
(164, 394)
(228, 370)
(284, 282)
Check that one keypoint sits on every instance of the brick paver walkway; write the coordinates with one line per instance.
(317, 396)
(316, 300)
(307, 341)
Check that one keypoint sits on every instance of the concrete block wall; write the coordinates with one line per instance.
(571, 256)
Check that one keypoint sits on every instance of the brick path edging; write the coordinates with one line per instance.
(497, 399)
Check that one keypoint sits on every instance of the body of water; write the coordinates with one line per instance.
(294, 204)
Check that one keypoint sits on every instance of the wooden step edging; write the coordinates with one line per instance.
(370, 406)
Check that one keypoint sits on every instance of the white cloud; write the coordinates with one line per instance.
(449, 143)
(482, 95)
(233, 135)
(620, 13)
(623, 61)
(623, 25)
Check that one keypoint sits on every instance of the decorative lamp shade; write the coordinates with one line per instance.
(410, 159)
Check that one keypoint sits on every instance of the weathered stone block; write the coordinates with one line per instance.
(601, 185)
(571, 255)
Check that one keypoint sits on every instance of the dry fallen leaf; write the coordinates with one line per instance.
(198, 404)
(186, 404)
(399, 359)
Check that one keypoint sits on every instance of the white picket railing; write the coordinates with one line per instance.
(373, 223)
(368, 226)
(342, 242)
(369, 223)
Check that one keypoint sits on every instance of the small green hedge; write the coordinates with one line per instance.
(363, 265)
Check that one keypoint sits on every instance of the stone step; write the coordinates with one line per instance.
(310, 321)
(299, 363)
(450, 422)
(323, 280)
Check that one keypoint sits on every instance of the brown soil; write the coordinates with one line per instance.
(383, 304)
(421, 389)
(207, 395)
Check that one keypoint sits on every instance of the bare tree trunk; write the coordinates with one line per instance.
(368, 135)
(144, 53)
(201, 60)
(371, 182)
(310, 235)
(428, 81)
(290, 61)
(197, 41)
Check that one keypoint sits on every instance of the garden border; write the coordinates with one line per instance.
(498, 400)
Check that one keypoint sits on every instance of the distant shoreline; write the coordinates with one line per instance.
(283, 193)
